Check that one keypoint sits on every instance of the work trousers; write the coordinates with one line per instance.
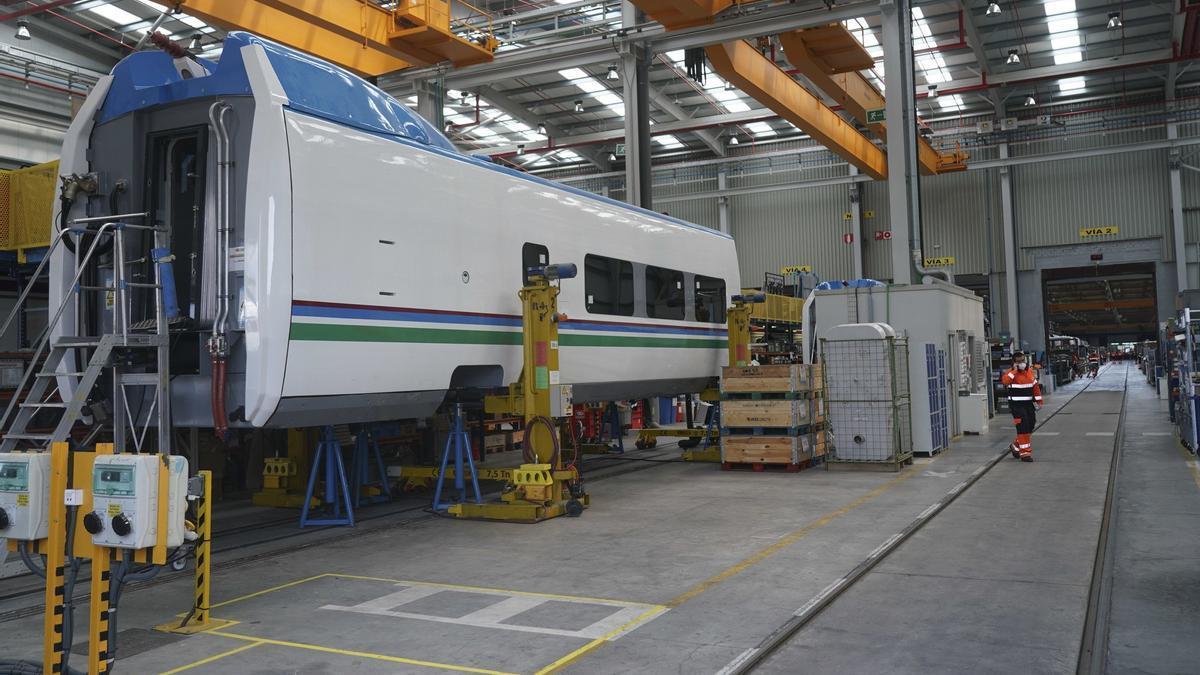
(1025, 418)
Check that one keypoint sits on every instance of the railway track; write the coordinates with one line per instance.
(1094, 636)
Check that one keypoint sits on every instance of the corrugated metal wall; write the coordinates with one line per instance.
(793, 227)
(1053, 200)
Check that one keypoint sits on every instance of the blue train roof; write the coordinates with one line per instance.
(147, 79)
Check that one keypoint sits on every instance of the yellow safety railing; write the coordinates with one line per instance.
(27, 207)
(777, 308)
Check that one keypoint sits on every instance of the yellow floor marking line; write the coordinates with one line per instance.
(742, 566)
(214, 657)
(358, 654)
(620, 630)
(1193, 464)
(498, 591)
(787, 541)
(272, 589)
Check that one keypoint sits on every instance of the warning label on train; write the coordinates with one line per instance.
(944, 261)
(1098, 231)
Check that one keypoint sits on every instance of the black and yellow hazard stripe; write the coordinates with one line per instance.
(101, 593)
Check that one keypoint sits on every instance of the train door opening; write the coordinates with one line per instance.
(1101, 304)
(176, 195)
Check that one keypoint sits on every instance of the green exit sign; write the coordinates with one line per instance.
(620, 150)
(876, 116)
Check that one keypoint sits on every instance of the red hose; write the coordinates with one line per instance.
(218, 396)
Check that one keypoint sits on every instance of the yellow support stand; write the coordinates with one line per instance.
(738, 322)
(199, 619)
(545, 488)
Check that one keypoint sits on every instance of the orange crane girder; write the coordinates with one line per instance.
(755, 74)
(673, 14)
(284, 23)
(815, 51)
(361, 36)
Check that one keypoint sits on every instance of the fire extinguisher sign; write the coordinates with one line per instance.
(883, 235)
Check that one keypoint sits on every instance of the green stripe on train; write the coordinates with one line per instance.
(326, 332)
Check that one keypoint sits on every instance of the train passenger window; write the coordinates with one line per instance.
(533, 255)
(608, 285)
(664, 293)
(710, 299)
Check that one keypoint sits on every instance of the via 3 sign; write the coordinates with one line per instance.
(1098, 231)
(944, 261)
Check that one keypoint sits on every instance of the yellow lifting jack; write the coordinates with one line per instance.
(543, 487)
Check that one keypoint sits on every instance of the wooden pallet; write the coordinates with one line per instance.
(760, 467)
(800, 430)
(771, 379)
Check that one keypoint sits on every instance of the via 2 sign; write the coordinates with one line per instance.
(1098, 231)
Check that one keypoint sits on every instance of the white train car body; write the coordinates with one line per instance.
(375, 267)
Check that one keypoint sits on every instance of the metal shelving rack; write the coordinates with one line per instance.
(1187, 359)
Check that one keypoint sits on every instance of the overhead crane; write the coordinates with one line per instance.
(831, 58)
(362, 36)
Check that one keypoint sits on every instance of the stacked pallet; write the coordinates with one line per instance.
(772, 416)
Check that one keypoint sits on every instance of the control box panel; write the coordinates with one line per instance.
(125, 500)
(24, 495)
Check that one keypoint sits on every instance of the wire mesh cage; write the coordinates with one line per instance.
(867, 398)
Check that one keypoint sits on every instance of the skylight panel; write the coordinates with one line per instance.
(116, 15)
(952, 102)
(1059, 7)
(761, 129)
(668, 141)
(1072, 84)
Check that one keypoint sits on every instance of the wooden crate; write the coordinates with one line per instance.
(500, 441)
(776, 413)
(762, 449)
(778, 378)
(816, 410)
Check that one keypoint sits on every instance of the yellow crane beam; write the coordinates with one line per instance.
(360, 36)
(674, 14)
(830, 57)
(755, 74)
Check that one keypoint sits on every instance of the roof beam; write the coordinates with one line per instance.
(519, 112)
(710, 138)
(976, 43)
(1086, 305)
(602, 47)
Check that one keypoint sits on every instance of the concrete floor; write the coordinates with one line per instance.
(680, 567)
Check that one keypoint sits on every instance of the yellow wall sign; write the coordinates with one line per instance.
(1098, 231)
(792, 269)
(944, 261)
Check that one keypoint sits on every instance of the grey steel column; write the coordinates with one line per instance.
(903, 194)
(1176, 182)
(637, 129)
(722, 203)
(856, 245)
(1010, 249)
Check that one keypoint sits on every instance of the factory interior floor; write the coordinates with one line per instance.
(681, 567)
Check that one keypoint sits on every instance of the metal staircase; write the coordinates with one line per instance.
(115, 353)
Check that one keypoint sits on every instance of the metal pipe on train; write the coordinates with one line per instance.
(336, 259)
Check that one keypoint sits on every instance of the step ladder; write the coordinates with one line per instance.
(83, 360)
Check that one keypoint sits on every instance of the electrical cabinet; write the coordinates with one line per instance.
(125, 499)
(24, 495)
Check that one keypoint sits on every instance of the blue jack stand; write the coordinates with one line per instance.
(460, 443)
(366, 453)
(614, 427)
(329, 450)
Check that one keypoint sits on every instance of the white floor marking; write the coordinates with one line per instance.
(623, 614)
(1046, 433)
(1099, 433)
(1158, 433)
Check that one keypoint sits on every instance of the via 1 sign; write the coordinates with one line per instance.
(883, 235)
(1086, 232)
(944, 261)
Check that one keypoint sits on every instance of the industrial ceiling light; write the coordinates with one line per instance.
(612, 156)
(1013, 57)
(196, 42)
(733, 140)
(1114, 20)
(612, 73)
(729, 86)
(542, 128)
(1030, 100)
(520, 149)
(23, 29)
(993, 9)
(578, 106)
(933, 91)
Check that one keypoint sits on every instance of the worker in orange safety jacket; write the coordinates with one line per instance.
(1024, 400)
